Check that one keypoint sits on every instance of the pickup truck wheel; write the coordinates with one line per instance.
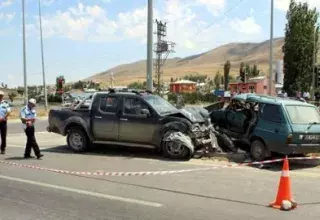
(175, 150)
(258, 150)
(77, 140)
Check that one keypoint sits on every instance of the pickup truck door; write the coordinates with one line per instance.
(105, 121)
(135, 127)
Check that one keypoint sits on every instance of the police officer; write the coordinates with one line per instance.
(28, 117)
(4, 112)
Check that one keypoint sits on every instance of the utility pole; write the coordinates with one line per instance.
(314, 64)
(162, 47)
(42, 58)
(150, 46)
(24, 54)
(271, 50)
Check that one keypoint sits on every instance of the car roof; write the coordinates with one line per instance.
(127, 93)
(250, 97)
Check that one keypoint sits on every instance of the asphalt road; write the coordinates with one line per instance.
(222, 193)
(15, 126)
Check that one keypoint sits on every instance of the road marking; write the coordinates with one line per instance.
(24, 145)
(40, 132)
(13, 145)
(84, 192)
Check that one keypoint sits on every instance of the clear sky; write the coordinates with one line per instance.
(83, 37)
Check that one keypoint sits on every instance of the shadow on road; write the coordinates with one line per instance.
(294, 165)
(143, 153)
(112, 151)
(15, 158)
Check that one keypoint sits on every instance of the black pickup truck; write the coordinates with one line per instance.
(133, 119)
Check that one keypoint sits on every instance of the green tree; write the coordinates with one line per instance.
(255, 71)
(242, 72)
(137, 85)
(247, 70)
(196, 78)
(217, 80)
(226, 74)
(79, 85)
(301, 30)
(33, 91)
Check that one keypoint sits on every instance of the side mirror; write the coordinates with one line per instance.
(145, 112)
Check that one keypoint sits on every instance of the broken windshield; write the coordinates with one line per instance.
(300, 114)
(160, 105)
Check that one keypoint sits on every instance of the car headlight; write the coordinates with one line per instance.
(208, 122)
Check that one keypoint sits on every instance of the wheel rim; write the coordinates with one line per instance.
(76, 140)
(257, 150)
(175, 149)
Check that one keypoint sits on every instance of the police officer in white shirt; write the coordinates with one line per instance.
(4, 113)
(28, 117)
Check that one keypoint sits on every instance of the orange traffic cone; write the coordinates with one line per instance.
(284, 190)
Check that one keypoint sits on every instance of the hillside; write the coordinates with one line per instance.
(206, 63)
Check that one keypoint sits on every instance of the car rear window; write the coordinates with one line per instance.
(300, 114)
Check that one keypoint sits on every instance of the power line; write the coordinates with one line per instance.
(227, 12)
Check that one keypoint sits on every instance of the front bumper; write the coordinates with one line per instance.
(206, 139)
(53, 130)
(200, 133)
(304, 148)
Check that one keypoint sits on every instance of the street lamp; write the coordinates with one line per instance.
(24, 54)
(42, 58)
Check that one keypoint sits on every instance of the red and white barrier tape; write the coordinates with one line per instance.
(278, 160)
(102, 173)
(151, 173)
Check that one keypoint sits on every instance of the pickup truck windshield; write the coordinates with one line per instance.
(303, 114)
(160, 105)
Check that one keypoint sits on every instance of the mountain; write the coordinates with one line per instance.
(206, 63)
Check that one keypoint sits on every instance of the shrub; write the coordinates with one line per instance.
(172, 97)
(193, 98)
(54, 98)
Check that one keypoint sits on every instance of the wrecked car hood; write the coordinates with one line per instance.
(195, 114)
(215, 106)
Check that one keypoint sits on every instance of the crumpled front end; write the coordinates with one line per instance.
(203, 135)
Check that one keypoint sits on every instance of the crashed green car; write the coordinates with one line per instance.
(266, 125)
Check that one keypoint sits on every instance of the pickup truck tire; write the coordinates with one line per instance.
(174, 150)
(258, 150)
(77, 140)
